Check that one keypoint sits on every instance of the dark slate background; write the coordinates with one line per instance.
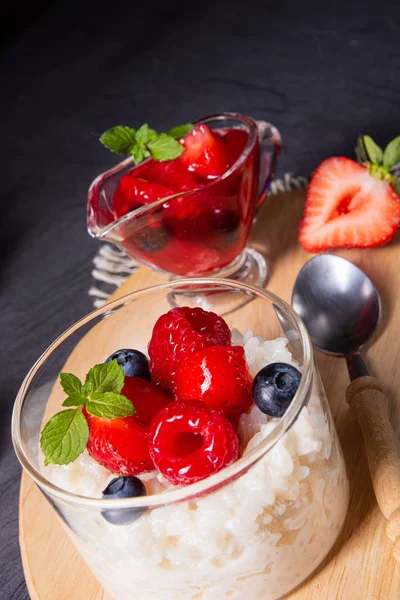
(322, 72)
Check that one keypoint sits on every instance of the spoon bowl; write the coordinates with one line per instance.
(341, 308)
(338, 303)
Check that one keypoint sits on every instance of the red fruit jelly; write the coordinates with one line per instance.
(204, 222)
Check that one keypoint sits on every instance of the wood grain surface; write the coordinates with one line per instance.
(360, 566)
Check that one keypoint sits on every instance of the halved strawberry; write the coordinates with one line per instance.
(205, 153)
(120, 445)
(133, 192)
(173, 174)
(147, 398)
(348, 208)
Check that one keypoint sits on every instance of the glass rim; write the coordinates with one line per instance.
(208, 485)
(99, 232)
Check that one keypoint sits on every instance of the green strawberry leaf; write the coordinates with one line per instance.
(119, 139)
(369, 150)
(105, 377)
(164, 147)
(77, 399)
(70, 383)
(396, 185)
(391, 155)
(109, 405)
(180, 131)
(64, 437)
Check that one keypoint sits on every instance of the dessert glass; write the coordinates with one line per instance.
(199, 232)
(256, 529)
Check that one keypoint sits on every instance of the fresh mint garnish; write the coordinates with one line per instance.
(165, 147)
(109, 405)
(76, 399)
(180, 130)
(71, 384)
(145, 142)
(65, 437)
(106, 377)
(66, 434)
(381, 164)
(119, 139)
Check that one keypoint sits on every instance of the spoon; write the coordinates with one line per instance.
(341, 309)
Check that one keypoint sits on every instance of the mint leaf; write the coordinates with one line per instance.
(138, 153)
(87, 387)
(77, 399)
(391, 156)
(64, 437)
(180, 130)
(119, 139)
(165, 147)
(105, 377)
(396, 185)
(369, 150)
(144, 134)
(70, 383)
(109, 405)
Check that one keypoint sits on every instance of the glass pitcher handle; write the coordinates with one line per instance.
(270, 147)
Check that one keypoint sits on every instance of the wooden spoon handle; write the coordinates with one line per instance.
(366, 398)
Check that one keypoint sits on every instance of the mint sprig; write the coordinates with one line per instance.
(145, 142)
(64, 437)
(381, 164)
(66, 434)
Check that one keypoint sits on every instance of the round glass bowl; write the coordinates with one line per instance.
(256, 529)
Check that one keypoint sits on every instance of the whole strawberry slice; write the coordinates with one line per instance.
(352, 205)
(218, 376)
(179, 333)
(120, 445)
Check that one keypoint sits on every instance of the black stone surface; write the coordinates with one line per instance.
(323, 72)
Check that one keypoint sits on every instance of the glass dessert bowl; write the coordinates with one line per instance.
(192, 216)
(259, 524)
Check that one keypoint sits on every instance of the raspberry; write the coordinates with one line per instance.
(179, 333)
(189, 442)
(218, 376)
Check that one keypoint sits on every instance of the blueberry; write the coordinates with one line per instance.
(123, 487)
(225, 221)
(274, 388)
(151, 239)
(133, 363)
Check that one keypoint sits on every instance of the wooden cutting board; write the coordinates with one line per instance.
(360, 566)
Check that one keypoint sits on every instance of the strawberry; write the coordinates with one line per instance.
(173, 174)
(205, 153)
(120, 445)
(147, 398)
(133, 192)
(352, 205)
(219, 376)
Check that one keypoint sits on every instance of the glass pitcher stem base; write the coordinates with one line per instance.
(250, 267)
